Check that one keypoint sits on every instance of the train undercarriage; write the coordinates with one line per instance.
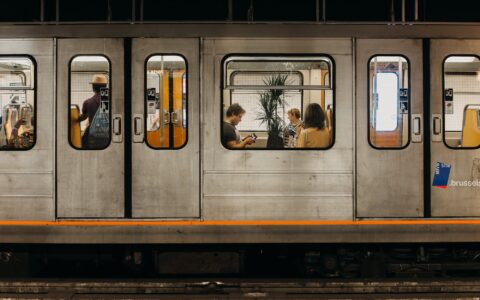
(249, 261)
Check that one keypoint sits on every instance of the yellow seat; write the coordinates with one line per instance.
(75, 133)
(471, 130)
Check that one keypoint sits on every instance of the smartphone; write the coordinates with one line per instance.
(254, 137)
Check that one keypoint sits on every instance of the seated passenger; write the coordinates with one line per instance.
(292, 130)
(12, 118)
(315, 134)
(22, 134)
(230, 135)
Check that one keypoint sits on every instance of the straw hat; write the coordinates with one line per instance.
(99, 79)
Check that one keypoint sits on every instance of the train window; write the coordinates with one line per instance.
(389, 102)
(166, 101)
(278, 102)
(461, 101)
(17, 96)
(90, 102)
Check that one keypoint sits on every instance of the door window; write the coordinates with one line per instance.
(166, 113)
(389, 102)
(90, 102)
(461, 101)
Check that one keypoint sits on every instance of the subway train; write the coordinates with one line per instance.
(115, 134)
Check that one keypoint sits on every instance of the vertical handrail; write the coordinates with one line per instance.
(416, 11)
(134, 4)
(57, 11)
(324, 11)
(109, 11)
(250, 12)
(392, 11)
(230, 11)
(42, 11)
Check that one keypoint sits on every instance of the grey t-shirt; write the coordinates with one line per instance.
(229, 133)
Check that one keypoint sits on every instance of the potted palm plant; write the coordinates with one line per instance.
(271, 100)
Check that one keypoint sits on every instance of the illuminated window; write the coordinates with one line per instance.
(17, 99)
(389, 101)
(166, 101)
(461, 102)
(283, 102)
(89, 102)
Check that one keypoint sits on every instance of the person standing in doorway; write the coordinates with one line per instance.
(91, 105)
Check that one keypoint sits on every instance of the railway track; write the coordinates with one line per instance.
(239, 289)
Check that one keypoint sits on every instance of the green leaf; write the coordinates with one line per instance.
(271, 100)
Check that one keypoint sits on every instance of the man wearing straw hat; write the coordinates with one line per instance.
(90, 106)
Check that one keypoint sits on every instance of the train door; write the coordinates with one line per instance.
(26, 129)
(455, 128)
(90, 150)
(165, 129)
(389, 106)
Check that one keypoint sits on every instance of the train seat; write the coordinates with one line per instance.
(471, 130)
(75, 132)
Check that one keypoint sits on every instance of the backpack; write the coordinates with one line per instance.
(99, 130)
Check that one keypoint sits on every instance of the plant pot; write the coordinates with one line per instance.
(274, 142)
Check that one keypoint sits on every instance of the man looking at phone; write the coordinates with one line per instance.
(230, 135)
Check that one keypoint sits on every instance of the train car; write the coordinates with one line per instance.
(115, 134)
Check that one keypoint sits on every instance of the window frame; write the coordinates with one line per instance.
(443, 102)
(279, 57)
(110, 75)
(34, 123)
(170, 148)
(409, 103)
